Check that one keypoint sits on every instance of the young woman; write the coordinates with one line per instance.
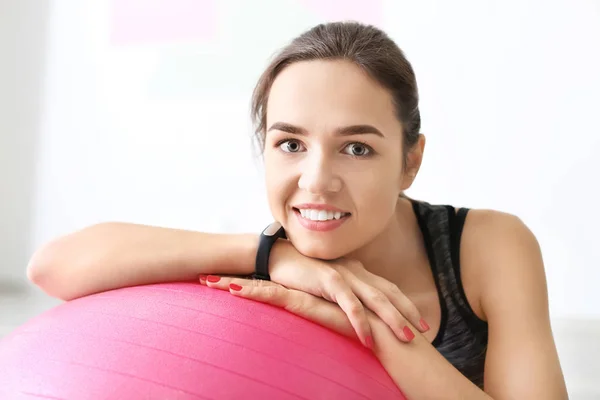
(453, 302)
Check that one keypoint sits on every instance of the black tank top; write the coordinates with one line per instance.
(462, 337)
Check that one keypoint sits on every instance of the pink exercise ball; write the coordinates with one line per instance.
(183, 341)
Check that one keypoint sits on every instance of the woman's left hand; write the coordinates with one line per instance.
(303, 304)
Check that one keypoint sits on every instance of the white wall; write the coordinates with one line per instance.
(158, 131)
(105, 116)
(22, 52)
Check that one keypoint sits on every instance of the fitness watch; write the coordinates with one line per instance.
(268, 237)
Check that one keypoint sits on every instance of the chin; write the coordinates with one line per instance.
(318, 249)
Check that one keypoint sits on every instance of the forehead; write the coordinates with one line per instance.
(323, 92)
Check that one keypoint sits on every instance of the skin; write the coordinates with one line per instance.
(307, 160)
(318, 98)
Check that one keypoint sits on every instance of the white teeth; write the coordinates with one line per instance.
(314, 215)
(321, 215)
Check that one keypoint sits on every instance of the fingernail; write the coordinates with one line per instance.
(369, 341)
(202, 277)
(424, 325)
(235, 287)
(213, 279)
(408, 333)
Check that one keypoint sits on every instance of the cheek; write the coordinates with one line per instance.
(275, 175)
(375, 194)
(279, 186)
(377, 198)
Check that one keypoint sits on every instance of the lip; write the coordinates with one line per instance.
(319, 206)
(320, 226)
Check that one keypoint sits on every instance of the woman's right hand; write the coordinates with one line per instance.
(342, 281)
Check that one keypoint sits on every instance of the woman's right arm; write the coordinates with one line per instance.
(112, 255)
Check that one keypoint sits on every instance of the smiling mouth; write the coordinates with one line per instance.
(321, 215)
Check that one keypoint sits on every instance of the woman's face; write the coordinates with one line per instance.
(333, 157)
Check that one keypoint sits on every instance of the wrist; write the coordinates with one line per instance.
(236, 255)
(266, 241)
(381, 334)
(249, 248)
(280, 251)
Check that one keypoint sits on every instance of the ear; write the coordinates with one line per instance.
(413, 163)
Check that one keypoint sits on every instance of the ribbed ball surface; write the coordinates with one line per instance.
(183, 341)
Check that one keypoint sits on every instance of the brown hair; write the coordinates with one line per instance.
(368, 47)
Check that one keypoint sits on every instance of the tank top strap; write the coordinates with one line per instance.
(435, 229)
(457, 220)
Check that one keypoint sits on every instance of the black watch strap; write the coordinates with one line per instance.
(268, 237)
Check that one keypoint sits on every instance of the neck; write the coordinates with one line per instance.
(395, 249)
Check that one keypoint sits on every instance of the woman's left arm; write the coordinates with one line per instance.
(419, 370)
(503, 258)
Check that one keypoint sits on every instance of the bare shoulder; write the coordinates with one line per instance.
(496, 228)
(498, 254)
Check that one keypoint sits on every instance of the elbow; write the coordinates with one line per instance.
(56, 267)
(35, 268)
(43, 269)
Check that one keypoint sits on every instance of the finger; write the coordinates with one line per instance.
(272, 294)
(378, 302)
(223, 282)
(217, 282)
(338, 291)
(398, 299)
(303, 304)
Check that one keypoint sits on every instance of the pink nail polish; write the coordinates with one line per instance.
(202, 277)
(408, 333)
(235, 287)
(424, 325)
(213, 279)
(369, 341)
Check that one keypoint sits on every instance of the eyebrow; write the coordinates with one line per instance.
(344, 131)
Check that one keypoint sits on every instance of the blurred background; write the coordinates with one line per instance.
(138, 110)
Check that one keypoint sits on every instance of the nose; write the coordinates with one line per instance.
(317, 176)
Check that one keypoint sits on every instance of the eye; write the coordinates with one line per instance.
(290, 146)
(358, 149)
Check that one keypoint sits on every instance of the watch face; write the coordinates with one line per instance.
(272, 229)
